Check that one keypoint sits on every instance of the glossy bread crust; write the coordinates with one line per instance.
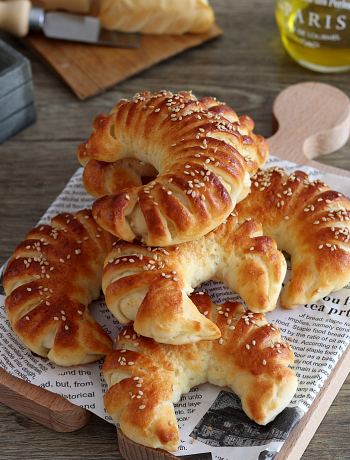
(150, 286)
(51, 279)
(311, 223)
(204, 158)
(146, 378)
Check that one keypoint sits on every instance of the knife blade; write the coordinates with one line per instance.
(18, 17)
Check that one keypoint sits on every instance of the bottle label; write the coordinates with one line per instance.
(318, 22)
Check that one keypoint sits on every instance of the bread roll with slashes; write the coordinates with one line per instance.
(156, 16)
(150, 286)
(311, 223)
(50, 281)
(146, 378)
(204, 165)
(101, 178)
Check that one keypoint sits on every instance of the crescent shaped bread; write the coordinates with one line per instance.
(156, 16)
(204, 165)
(150, 286)
(311, 223)
(146, 378)
(51, 279)
(101, 178)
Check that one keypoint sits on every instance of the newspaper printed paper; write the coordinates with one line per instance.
(211, 420)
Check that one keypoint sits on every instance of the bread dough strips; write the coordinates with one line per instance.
(146, 378)
(156, 16)
(150, 286)
(203, 160)
(50, 281)
(311, 223)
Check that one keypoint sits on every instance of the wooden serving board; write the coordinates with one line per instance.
(303, 133)
(91, 69)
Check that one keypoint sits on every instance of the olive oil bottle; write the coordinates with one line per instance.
(316, 33)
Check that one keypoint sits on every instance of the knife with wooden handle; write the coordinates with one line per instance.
(18, 17)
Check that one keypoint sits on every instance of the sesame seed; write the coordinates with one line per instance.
(142, 407)
(264, 362)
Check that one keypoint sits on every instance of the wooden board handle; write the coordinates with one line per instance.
(48, 409)
(313, 119)
(131, 450)
(14, 17)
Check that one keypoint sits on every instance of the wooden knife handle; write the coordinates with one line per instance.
(76, 6)
(14, 17)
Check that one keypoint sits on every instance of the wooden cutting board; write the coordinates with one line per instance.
(90, 69)
(303, 133)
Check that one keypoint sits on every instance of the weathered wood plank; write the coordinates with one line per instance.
(246, 67)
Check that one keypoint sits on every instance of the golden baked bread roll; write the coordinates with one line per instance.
(146, 378)
(150, 286)
(203, 160)
(101, 178)
(156, 16)
(50, 281)
(311, 223)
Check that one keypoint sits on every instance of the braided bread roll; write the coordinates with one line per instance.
(311, 223)
(203, 160)
(51, 279)
(156, 16)
(146, 378)
(150, 286)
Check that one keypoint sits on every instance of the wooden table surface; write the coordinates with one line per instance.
(246, 67)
